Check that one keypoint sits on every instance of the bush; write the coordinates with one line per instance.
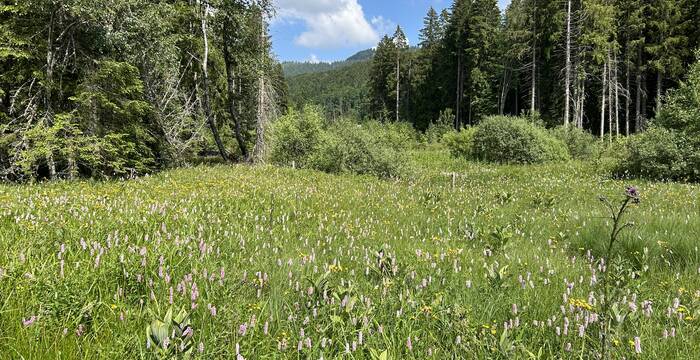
(304, 139)
(460, 144)
(296, 136)
(682, 108)
(660, 154)
(670, 149)
(396, 135)
(347, 147)
(504, 139)
(580, 143)
(444, 125)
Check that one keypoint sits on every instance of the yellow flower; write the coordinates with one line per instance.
(335, 268)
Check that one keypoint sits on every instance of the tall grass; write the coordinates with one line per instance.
(465, 260)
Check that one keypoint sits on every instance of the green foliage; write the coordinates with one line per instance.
(339, 92)
(444, 124)
(303, 139)
(670, 149)
(461, 144)
(77, 153)
(296, 136)
(394, 135)
(661, 154)
(171, 336)
(294, 68)
(681, 111)
(514, 140)
(580, 143)
(348, 147)
(466, 249)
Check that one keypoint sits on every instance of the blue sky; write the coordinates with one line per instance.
(329, 30)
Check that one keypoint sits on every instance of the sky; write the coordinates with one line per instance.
(330, 30)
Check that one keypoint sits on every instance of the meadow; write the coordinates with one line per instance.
(455, 260)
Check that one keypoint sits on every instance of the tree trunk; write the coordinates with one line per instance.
(611, 83)
(567, 91)
(398, 82)
(231, 92)
(627, 97)
(458, 104)
(51, 163)
(258, 150)
(617, 98)
(533, 83)
(638, 125)
(205, 84)
(505, 86)
(602, 103)
(262, 116)
(659, 91)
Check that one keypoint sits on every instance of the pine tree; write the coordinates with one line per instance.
(431, 33)
(383, 67)
(668, 42)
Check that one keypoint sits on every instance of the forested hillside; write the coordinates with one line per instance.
(294, 68)
(116, 88)
(340, 92)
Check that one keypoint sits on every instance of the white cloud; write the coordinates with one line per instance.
(383, 26)
(329, 23)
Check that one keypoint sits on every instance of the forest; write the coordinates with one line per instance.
(521, 183)
(112, 89)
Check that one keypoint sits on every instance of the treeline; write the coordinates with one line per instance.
(104, 88)
(602, 65)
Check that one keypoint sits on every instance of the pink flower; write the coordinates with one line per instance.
(30, 321)
(637, 345)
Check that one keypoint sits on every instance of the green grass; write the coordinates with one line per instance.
(287, 227)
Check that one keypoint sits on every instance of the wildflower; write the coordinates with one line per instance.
(631, 191)
(409, 344)
(30, 321)
(80, 330)
(637, 345)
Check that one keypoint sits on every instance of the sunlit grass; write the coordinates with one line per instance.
(94, 263)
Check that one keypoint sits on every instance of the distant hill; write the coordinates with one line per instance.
(294, 68)
(340, 91)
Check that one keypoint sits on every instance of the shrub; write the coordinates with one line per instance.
(396, 135)
(682, 108)
(347, 147)
(296, 136)
(460, 144)
(515, 140)
(444, 125)
(580, 143)
(660, 154)
(670, 149)
(304, 139)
